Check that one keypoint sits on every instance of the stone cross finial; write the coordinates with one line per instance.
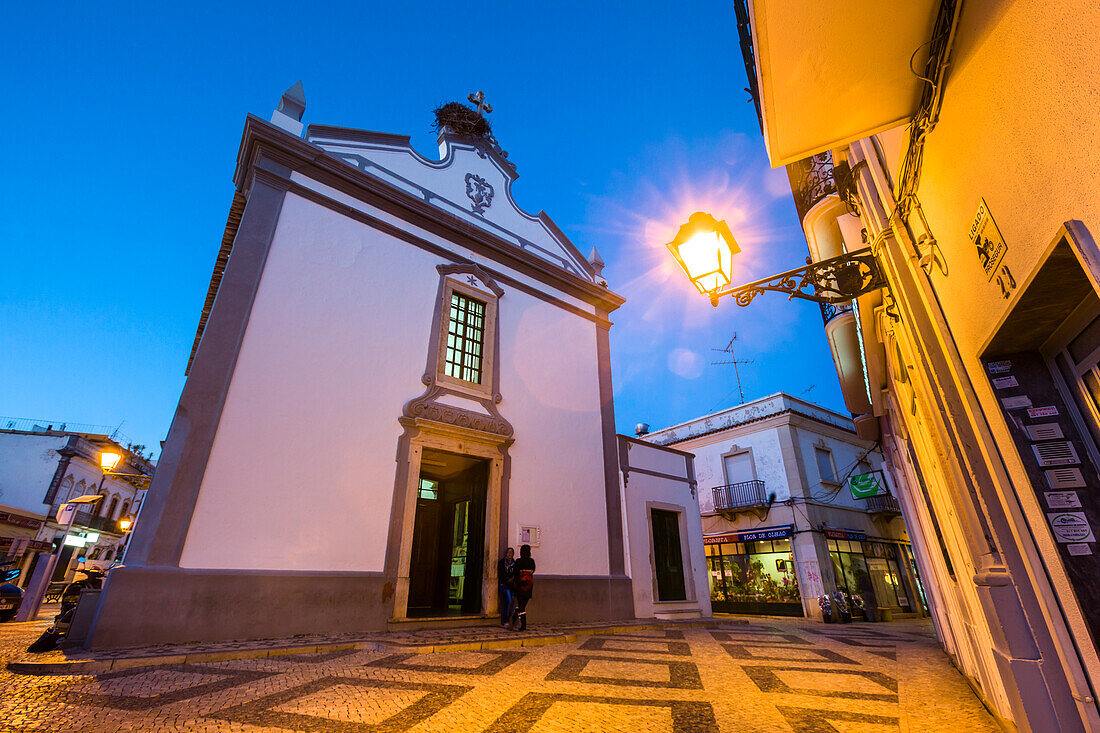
(479, 100)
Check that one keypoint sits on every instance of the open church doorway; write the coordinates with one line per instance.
(448, 542)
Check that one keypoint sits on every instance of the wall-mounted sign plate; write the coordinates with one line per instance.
(1045, 431)
(1065, 478)
(987, 240)
(1062, 499)
(1005, 382)
(1015, 403)
(1071, 527)
(1035, 412)
(999, 367)
(528, 534)
(1055, 453)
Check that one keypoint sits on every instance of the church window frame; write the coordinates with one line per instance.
(465, 354)
(487, 297)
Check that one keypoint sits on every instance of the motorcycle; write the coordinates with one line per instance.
(11, 595)
(52, 636)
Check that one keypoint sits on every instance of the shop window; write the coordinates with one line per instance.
(752, 572)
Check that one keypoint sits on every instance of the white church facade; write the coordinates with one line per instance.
(398, 374)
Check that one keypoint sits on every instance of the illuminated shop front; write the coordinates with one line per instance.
(873, 570)
(753, 572)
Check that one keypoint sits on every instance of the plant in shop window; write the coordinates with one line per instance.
(788, 591)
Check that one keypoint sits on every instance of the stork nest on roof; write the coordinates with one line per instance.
(461, 120)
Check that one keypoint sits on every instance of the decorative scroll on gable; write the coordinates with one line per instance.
(472, 180)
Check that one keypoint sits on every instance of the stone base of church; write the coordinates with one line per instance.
(143, 606)
(162, 605)
(580, 598)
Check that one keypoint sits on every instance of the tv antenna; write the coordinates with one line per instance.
(807, 391)
(734, 361)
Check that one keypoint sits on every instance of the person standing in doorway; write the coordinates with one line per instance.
(506, 572)
(523, 586)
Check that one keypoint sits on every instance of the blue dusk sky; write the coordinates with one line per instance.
(122, 121)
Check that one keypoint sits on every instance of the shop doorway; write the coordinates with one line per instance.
(448, 543)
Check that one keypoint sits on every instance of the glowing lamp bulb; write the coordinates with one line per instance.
(108, 459)
(704, 248)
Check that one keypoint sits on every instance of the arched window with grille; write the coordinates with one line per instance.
(111, 511)
(65, 491)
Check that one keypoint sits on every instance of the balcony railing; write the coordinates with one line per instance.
(89, 520)
(883, 505)
(829, 311)
(742, 495)
(811, 180)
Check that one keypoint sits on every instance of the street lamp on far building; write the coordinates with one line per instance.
(704, 247)
(108, 459)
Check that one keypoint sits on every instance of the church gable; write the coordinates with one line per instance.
(472, 180)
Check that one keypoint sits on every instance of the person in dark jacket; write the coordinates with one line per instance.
(522, 586)
(506, 571)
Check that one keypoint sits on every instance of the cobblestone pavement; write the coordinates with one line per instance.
(767, 675)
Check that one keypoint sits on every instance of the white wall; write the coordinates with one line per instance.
(845, 456)
(301, 475)
(640, 491)
(550, 384)
(27, 466)
(767, 459)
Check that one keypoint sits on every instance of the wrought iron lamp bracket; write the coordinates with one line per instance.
(835, 280)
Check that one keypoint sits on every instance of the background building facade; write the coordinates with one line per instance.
(780, 525)
(42, 466)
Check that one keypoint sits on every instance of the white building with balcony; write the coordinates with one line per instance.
(43, 465)
(780, 525)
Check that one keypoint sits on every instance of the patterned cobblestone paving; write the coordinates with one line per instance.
(768, 675)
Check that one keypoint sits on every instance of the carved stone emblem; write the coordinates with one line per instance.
(480, 192)
(428, 408)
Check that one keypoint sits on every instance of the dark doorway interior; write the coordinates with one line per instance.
(448, 542)
(668, 559)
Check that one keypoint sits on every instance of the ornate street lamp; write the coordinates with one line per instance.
(108, 459)
(704, 248)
